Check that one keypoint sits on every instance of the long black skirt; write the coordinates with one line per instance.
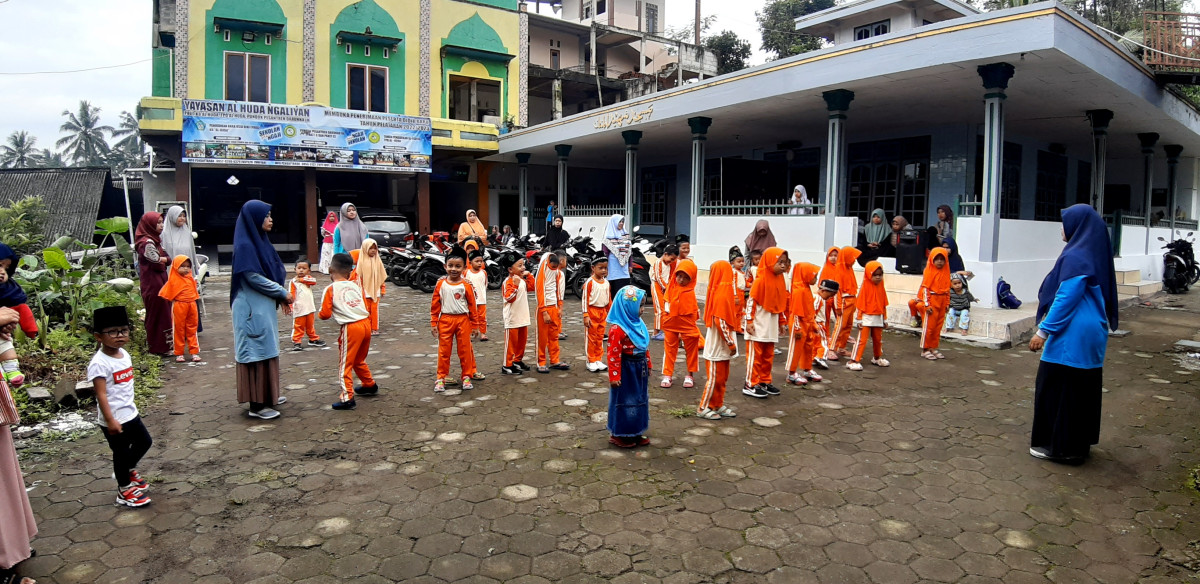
(1066, 409)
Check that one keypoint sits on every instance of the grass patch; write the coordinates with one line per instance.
(681, 412)
(1193, 480)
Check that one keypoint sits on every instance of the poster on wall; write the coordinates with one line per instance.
(238, 133)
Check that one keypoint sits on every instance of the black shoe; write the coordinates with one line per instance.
(560, 367)
(297, 347)
(346, 405)
(1044, 454)
(317, 343)
(771, 389)
(366, 390)
(522, 365)
(756, 391)
(514, 370)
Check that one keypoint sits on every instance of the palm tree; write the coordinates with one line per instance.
(48, 158)
(129, 134)
(84, 143)
(19, 152)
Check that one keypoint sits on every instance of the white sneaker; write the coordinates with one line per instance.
(812, 376)
(592, 367)
(600, 366)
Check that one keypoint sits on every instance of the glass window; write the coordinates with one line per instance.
(587, 10)
(1051, 196)
(654, 202)
(367, 88)
(892, 175)
(601, 6)
(874, 29)
(247, 77)
(259, 80)
(388, 225)
(1010, 179)
(652, 18)
(235, 76)
(555, 59)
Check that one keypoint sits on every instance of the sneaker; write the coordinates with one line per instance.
(560, 366)
(467, 385)
(131, 496)
(14, 378)
(854, 366)
(914, 322)
(562, 336)
(136, 480)
(592, 367)
(344, 405)
(881, 362)
(514, 370)
(522, 365)
(797, 379)
(264, 414)
(282, 400)
(366, 389)
(316, 343)
(600, 366)
(659, 336)
(820, 363)
(439, 386)
(771, 389)
(1039, 452)
(297, 347)
(756, 391)
(726, 412)
(812, 376)
(688, 382)
(666, 382)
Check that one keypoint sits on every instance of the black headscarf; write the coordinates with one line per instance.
(556, 237)
(252, 250)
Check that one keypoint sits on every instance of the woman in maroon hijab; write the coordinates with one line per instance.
(152, 271)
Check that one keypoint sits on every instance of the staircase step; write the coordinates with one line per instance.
(1129, 276)
(1140, 288)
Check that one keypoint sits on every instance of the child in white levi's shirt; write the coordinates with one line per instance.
(111, 373)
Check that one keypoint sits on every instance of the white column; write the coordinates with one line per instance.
(995, 80)
(563, 150)
(523, 190)
(838, 103)
(1148, 140)
(699, 127)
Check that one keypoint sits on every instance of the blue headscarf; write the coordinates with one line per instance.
(252, 250)
(11, 293)
(956, 261)
(612, 231)
(624, 313)
(1088, 253)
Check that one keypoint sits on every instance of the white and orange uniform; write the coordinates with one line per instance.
(760, 345)
(516, 317)
(343, 301)
(661, 274)
(597, 297)
(304, 309)
(720, 347)
(742, 285)
(550, 287)
(479, 282)
(453, 312)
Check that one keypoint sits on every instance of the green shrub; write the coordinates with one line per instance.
(22, 225)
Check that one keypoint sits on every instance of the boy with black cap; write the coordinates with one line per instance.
(111, 372)
(344, 302)
(477, 276)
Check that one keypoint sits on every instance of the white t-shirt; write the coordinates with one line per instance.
(118, 382)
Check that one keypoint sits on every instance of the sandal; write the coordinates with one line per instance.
(708, 414)
(196, 358)
(179, 359)
(881, 362)
(939, 355)
(929, 355)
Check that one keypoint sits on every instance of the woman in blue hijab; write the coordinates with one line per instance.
(628, 370)
(1077, 306)
(256, 292)
(617, 246)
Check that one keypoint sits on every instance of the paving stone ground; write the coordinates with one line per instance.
(917, 473)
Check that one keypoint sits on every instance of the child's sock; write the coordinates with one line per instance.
(12, 371)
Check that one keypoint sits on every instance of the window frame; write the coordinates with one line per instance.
(872, 29)
(246, 91)
(555, 59)
(651, 24)
(387, 89)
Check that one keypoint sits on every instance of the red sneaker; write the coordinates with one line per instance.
(131, 496)
(136, 480)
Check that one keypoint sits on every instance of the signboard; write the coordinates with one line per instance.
(238, 133)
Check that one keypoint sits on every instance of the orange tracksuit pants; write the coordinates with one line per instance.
(595, 334)
(547, 335)
(658, 298)
(760, 358)
(185, 318)
(305, 325)
(822, 338)
(691, 350)
(847, 322)
(482, 310)
(354, 342)
(935, 321)
(916, 308)
(515, 340)
(714, 387)
(454, 328)
(875, 335)
(373, 311)
(800, 350)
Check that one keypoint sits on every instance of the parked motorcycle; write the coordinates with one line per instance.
(1179, 264)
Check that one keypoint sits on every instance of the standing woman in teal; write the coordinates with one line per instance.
(350, 232)
(1077, 306)
(256, 293)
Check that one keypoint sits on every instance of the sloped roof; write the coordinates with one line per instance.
(72, 195)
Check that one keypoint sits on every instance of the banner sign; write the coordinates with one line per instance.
(262, 134)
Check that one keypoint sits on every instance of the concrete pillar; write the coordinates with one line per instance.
(474, 107)
(679, 65)
(838, 103)
(699, 127)
(483, 176)
(995, 78)
(183, 184)
(523, 190)
(632, 137)
(1148, 140)
(424, 221)
(1099, 119)
(1173, 151)
(312, 220)
(556, 99)
(563, 150)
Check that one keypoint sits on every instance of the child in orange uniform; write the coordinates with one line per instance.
(872, 305)
(597, 297)
(721, 316)
(680, 314)
(549, 287)
(304, 309)
(661, 274)
(477, 276)
(766, 319)
(823, 343)
(183, 293)
(935, 286)
(516, 318)
(343, 301)
(803, 319)
(741, 283)
(370, 275)
(848, 290)
(453, 315)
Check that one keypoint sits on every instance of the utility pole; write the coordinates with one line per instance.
(697, 23)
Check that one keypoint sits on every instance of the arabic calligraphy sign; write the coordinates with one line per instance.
(622, 118)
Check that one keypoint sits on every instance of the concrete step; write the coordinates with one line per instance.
(1139, 288)
(998, 324)
(1128, 276)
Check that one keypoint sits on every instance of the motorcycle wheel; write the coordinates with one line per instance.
(426, 280)
(495, 277)
(1194, 275)
(575, 286)
(398, 275)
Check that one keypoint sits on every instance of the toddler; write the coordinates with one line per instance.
(111, 372)
(720, 347)
(803, 318)
(182, 292)
(679, 322)
(12, 296)
(597, 297)
(516, 318)
(478, 277)
(960, 305)
(660, 279)
(343, 301)
(304, 309)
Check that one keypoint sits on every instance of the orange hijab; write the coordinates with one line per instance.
(935, 280)
(179, 288)
(720, 303)
(849, 283)
(682, 299)
(803, 275)
(831, 271)
(770, 290)
(872, 297)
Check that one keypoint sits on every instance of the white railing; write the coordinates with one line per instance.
(759, 208)
(593, 211)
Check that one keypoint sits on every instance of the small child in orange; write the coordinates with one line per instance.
(343, 301)
(453, 316)
(720, 345)
(478, 277)
(824, 343)
(516, 318)
(848, 283)
(371, 275)
(549, 287)
(737, 262)
(597, 297)
(803, 318)
(872, 305)
(680, 314)
(304, 309)
(936, 288)
(183, 293)
(766, 319)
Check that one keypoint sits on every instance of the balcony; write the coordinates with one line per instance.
(1172, 46)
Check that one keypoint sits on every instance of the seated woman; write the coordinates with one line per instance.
(875, 239)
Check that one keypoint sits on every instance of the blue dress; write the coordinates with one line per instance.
(629, 401)
(256, 319)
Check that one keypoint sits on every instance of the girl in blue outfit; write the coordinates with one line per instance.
(256, 292)
(1077, 305)
(628, 370)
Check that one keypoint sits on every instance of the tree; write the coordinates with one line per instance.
(85, 143)
(19, 151)
(732, 52)
(777, 24)
(130, 135)
(48, 158)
